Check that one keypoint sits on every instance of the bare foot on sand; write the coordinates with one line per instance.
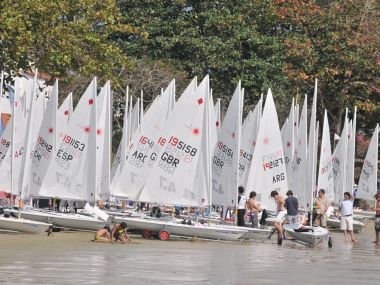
(376, 242)
(354, 241)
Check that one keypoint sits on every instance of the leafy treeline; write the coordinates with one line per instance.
(264, 43)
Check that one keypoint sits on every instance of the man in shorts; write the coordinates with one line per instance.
(322, 205)
(119, 233)
(280, 215)
(254, 209)
(291, 206)
(346, 219)
(377, 218)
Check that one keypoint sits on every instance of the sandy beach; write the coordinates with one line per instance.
(71, 258)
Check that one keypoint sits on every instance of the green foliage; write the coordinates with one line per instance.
(230, 40)
(326, 39)
(61, 38)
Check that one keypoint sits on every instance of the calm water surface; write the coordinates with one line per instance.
(70, 258)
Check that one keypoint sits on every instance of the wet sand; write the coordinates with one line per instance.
(71, 258)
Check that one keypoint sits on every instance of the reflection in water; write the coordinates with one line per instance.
(69, 258)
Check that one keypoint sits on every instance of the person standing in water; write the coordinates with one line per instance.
(322, 205)
(291, 205)
(242, 201)
(346, 219)
(377, 218)
(280, 215)
(254, 209)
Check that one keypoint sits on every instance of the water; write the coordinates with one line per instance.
(70, 258)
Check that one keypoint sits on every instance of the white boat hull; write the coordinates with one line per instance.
(24, 226)
(200, 231)
(313, 237)
(70, 221)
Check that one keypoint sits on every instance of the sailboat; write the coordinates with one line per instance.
(11, 170)
(172, 177)
(61, 166)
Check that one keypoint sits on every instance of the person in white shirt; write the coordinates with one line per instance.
(346, 219)
(242, 204)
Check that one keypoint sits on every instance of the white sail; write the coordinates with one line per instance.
(172, 178)
(339, 158)
(72, 172)
(44, 149)
(299, 160)
(312, 149)
(225, 161)
(288, 143)
(247, 146)
(31, 140)
(145, 145)
(64, 114)
(351, 155)
(103, 148)
(325, 172)
(367, 186)
(120, 157)
(218, 115)
(268, 171)
(11, 166)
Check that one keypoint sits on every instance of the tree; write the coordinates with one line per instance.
(63, 38)
(329, 40)
(230, 40)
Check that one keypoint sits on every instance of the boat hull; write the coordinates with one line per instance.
(24, 225)
(315, 237)
(200, 231)
(70, 221)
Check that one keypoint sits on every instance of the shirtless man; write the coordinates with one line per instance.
(103, 235)
(280, 214)
(254, 209)
(119, 233)
(377, 218)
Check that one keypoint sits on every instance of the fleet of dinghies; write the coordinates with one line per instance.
(172, 153)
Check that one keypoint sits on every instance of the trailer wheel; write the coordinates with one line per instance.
(146, 234)
(164, 235)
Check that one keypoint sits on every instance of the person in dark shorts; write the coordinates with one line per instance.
(119, 233)
(377, 218)
(242, 201)
(254, 209)
(291, 206)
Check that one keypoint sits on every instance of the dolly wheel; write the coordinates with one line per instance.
(146, 234)
(164, 235)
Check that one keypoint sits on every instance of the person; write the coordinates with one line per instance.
(322, 204)
(242, 201)
(346, 220)
(254, 209)
(377, 218)
(103, 235)
(119, 233)
(280, 215)
(291, 206)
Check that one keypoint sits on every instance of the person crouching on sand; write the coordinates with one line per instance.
(103, 235)
(119, 233)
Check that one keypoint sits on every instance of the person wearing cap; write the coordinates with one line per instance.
(119, 233)
(103, 235)
(346, 219)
